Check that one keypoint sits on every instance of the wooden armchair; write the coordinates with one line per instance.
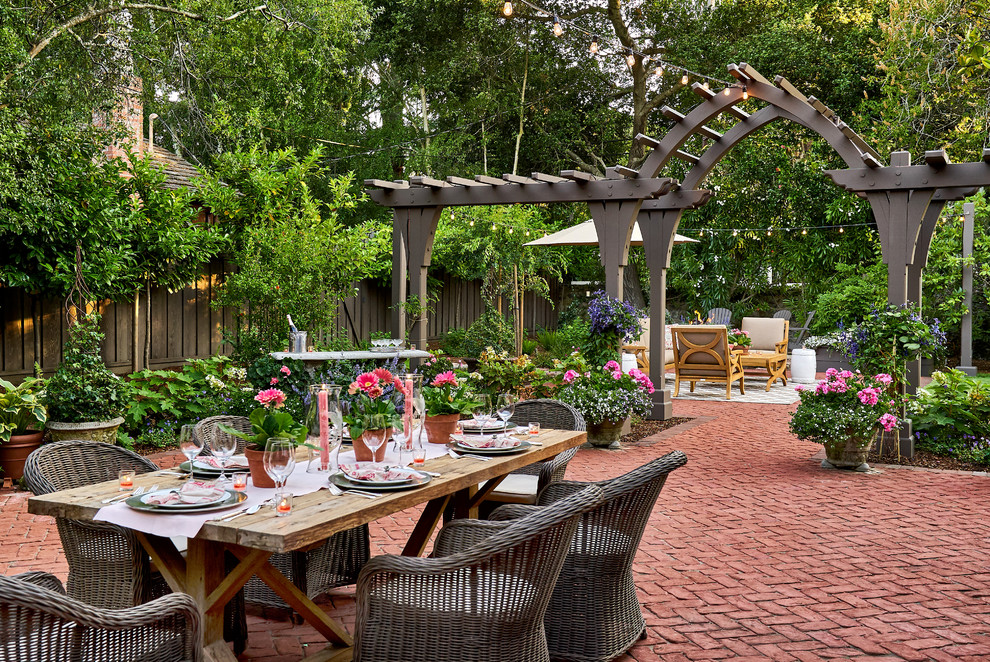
(701, 353)
(641, 348)
(769, 346)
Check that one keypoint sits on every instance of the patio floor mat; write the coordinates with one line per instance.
(756, 392)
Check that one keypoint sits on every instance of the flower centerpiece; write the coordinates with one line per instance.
(22, 419)
(606, 396)
(612, 322)
(268, 420)
(447, 399)
(372, 407)
(740, 339)
(844, 413)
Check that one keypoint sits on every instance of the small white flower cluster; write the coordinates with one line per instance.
(215, 382)
(240, 374)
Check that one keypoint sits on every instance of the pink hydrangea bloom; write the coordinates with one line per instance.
(884, 378)
(445, 378)
(845, 374)
(285, 370)
(617, 374)
(570, 376)
(888, 421)
(270, 398)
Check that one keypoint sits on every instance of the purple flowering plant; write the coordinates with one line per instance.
(612, 322)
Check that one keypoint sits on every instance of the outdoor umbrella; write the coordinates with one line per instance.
(584, 234)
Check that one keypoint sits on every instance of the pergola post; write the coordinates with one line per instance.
(966, 349)
(614, 225)
(412, 244)
(400, 270)
(658, 228)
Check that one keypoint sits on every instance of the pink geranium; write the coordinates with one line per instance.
(445, 378)
(273, 381)
(612, 365)
(570, 376)
(869, 396)
(888, 421)
(270, 398)
(831, 372)
(884, 379)
(285, 370)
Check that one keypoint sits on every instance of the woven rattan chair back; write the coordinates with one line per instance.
(335, 563)
(485, 603)
(549, 414)
(594, 613)
(38, 623)
(207, 430)
(63, 465)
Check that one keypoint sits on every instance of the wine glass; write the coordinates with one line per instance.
(505, 408)
(223, 445)
(279, 459)
(482, 410)
(373, 439)
(190, 444)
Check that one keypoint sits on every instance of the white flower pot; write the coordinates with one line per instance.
(803, 366)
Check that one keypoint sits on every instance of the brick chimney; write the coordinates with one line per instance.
(129, 114)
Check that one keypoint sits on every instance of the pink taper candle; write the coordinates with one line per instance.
(323, 411)
(407, 419)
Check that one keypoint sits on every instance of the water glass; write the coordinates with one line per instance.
(190, 444)
(223, 445)
(506, 407)
(373, 439)
(482, 410)
(279, 459)
(534, 428)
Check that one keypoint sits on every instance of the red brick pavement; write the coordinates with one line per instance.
(753, 553)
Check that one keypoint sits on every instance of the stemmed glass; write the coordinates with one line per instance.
(482, 410)
(505, 408)
(279, 459)
(373, 439)
(223, 446)
(190, 444)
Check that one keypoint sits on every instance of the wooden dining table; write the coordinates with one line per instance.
(463, 484)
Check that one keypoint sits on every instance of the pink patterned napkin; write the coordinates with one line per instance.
(235, 462)
(193, 492)
(376, 472)
(486, 441)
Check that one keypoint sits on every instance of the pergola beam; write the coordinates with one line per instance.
(485, 179)
(429, 182)
(628, 173)
(937, 158)
(550, 179)
(381, 183)
(579, 176)
(684, 156)
(902, 178)
(859, 142)
(640, 188)
(461, 181)
(518, 179)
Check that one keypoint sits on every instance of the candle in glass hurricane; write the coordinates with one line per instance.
(283, 504)
(126, 478)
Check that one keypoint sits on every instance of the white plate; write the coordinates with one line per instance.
(180, 505)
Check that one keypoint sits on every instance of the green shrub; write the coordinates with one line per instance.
(489, 330)
(851, 300)
(951, 416)
(452, 342)
(83, 389)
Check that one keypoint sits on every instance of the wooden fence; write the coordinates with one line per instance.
(183, 325)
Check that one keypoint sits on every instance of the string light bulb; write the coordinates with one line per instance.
(507, 9)
(527, 233)
(705, 85)
(630, 58)
(804, 231)
(659, 71)
(594, 45)
(841, 230)
(745, 93)
(472, 223)
(769, 232)
(557, 28)
(493, 227)
(684, 79)
(735, 233)
(727, 91)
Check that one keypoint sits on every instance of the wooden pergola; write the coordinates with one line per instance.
(906, 200)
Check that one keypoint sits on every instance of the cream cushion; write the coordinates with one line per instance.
(519, 486)
(765, 332)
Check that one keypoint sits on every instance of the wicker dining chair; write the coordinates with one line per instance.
(594, 613)
(481, 597)
(207, 430)
(108, 567)
(522, 485)
(39, 622)
(335, 563)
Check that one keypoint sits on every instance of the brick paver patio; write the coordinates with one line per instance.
(753, 553)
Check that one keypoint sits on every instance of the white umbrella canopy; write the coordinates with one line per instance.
(584, 234)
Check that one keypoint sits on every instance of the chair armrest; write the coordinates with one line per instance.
(561, 489)
(460, 535)
(511, 511)
(781, 346)
(42, 579)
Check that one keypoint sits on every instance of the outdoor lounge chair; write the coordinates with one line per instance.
(108, 567)
(334, 563)
(795, 343)
(39, 622)
(721, 316)
(594, 613)
(701, 353)
(768, 348)
(480, 597)
(783, 313)
(641, 348)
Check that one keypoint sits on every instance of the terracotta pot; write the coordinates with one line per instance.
(848, 453)
(14, 452)
(105, 431)
(742, 348)
(256, 464)
(439, 428)
(361, 451)
(605, 434)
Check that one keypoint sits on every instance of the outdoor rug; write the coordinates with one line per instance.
(755, 391)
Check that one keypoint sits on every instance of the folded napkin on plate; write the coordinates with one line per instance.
(192, 492)
(486, 441)
(490, 425)
(235, 462)
(376, 472)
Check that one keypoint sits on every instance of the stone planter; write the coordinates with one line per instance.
(14, 452)
(829, 358)
(439, 428)
(256, 465)
(849, 453)
(606, 434)
(804, 366)
(363, 454)
(105, 431)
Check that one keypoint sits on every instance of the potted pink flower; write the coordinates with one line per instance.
(372, 410)
(267, 421)
(447, 399)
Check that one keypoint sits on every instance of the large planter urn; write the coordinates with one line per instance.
(105, 431)
(361, 451)
(14, 452)
(605, 434)
(848, 453)
(256, 465)
(439, 428)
